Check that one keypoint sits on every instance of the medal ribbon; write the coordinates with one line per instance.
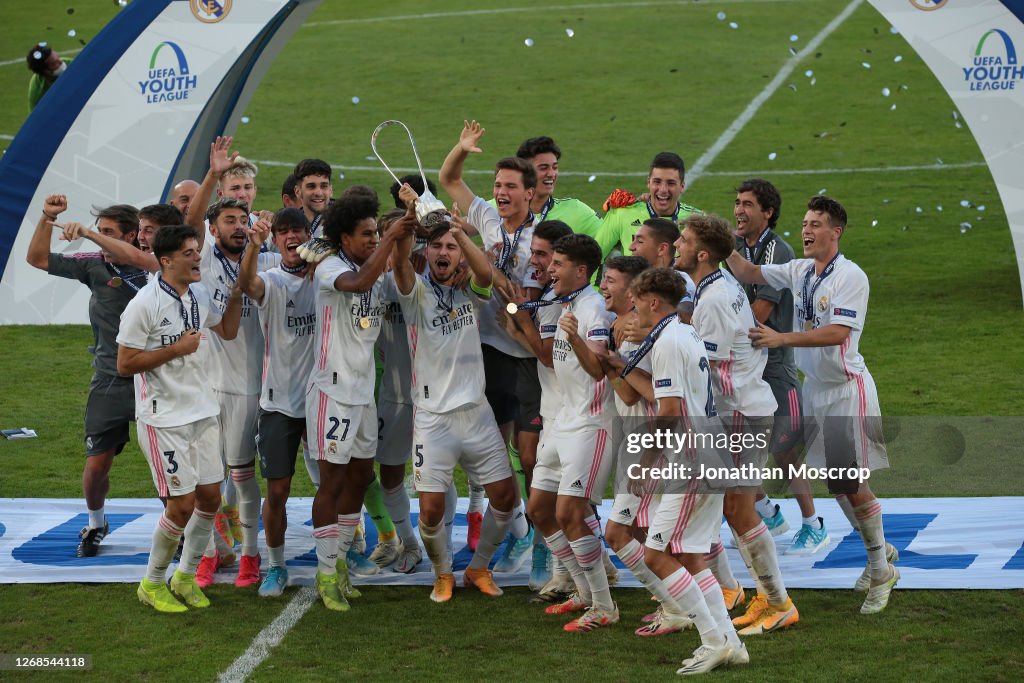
(808, 298)
(225, 262)
(181, 305)
(654, 214)
(537, 303)
(703, 284)
(127, 279)
(752, 253)
(439, 293)
(508, 246)
(647, 344)
(364, 297)
(548, 205)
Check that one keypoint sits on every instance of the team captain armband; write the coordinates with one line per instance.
(484, 292)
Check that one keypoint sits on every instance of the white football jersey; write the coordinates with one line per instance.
(393, 344)
(550, 392)
(840, 299)
(723, 319)
(287, 317)
(447, 363)
(680, 369)
(643, 407)
(236, 365)
(487, 221)
(176, 393)
(344, 368)
(586, 402)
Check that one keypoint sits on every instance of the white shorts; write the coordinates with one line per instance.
(586, 456)
(394, 443)
(755, 430)
(181, 458)
(238, 418)
(848, 415)
(628, 508)
(467, 436)
(338, 432)
(686, 522)
(547, 471)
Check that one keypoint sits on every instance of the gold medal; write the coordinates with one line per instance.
(512, 308)
(116, 281)
(808, 325)
(364, 323)
(453, 314)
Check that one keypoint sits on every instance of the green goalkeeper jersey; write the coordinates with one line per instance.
(620, 225)
(581, 218)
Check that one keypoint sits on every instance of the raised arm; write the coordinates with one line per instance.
(251, 283)
(450, 175)
(39, 248)
(220, 161)
(119, 250)
(479, 264)
(363, 279)
(227, 328)
(405, 274)
(744, 270)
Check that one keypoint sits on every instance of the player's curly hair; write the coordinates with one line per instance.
(342, 216)
(664, 283)
(539, 145)
(713, 234)
(836, 212)
(767, 197)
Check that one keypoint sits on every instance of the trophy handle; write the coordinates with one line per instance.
(373, 146)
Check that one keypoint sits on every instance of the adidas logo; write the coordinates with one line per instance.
(657, 537)
(636, 222)
(165, 322)
(625, 513)
(518, 516)
(576, 485)
(290, 304)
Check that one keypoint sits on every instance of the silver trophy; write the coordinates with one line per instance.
(429, 210)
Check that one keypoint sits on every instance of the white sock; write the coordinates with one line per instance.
(97, 518)
(815, 523)
(476, 498)
(718, 562)
(451, 500)
(212, 546)
(326, 539)
(632, 555)
(276, 556)
(244, 479)
(197, 536)
(165, 541)
(230, 495)
(870, 516)
(745, 556)
(847, 507)
(492, 533)
(765, 507)
(519, 527)
(347, 531)
(588, 552)
(396, 501)
(716, 605)
(436, 547)
(759, 543)
(559, 547)
(687, 594)
(558, 568)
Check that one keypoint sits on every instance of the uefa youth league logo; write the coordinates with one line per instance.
(209, 11)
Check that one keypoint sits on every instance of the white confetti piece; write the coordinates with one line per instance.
(965, 203)
(771, 156)
(72, 33)
(355, 99)
(808, 73)
(892, 108)
(865, 65)
(885, 92)
(981, 207)
(569, 32)
(721, 16)
(793, 38)
(874, 223)
(733, 24)
(919, 210)
(528, 42)
(898, 58)
(245, 119)
(591, 178)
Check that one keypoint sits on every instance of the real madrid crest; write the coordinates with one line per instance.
(209, 11)
(175, 482)
(822, 304)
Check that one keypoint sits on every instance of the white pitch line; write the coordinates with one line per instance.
(520, 10)
(744, 118)
(21, 60)
(643, 174)
(270, 637)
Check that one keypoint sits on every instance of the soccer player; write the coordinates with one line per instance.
(313, 190)
(341, 417)
(452, 424)
(838, 390)
(182, 194)
(655, 241)
(286, 301)
(394, 415)
(635, 405)
(545, 154)
(111, 404)
(506, 232)
(744, 401)
(235, 375)
(232, 176)
(289, 199)
(151, 219)
(665, 183)
(160, 342)
(579, 435)
(689, 513)
(756, 211)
